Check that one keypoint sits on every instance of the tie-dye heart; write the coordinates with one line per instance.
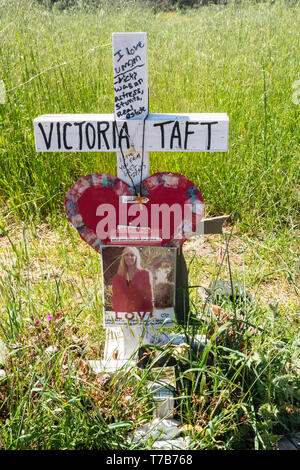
(107, 211)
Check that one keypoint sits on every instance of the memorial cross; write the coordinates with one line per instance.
(132, 132)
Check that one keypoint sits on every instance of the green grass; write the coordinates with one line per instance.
(236, 59)
(246, 400)
(240, 59)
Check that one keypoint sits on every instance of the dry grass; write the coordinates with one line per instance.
(55, 275)
(61, 256)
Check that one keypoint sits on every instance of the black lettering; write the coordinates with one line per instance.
(162, 132)
(208, 124)
(187, 132)
(120, 55)
(47, 141)
(115, 133)
(134, 48)
(124, 135)
(123, 69)
(87, 135)
(175, 136)
(103, 133)
(58, 135)
(65, 135)
(80, 124)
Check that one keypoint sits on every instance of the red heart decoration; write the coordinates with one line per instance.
(106, 211)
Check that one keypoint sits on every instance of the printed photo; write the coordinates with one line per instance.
(138, 285)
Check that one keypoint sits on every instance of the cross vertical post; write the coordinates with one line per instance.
(131, 102)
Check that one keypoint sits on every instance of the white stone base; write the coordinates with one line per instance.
(120, 350)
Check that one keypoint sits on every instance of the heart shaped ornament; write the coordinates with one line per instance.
(107, 211)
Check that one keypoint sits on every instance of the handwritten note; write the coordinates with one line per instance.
(130, 75)
(136, 167)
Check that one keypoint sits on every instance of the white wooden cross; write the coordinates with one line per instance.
(132, 132)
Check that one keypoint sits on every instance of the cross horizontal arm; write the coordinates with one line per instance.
(103, 133)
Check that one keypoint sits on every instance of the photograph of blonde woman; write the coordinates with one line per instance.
(132, 286)
(138, 285)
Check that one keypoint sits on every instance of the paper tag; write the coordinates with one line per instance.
(134, 200)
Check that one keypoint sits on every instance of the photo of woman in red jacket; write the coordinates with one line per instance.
(132, 286)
